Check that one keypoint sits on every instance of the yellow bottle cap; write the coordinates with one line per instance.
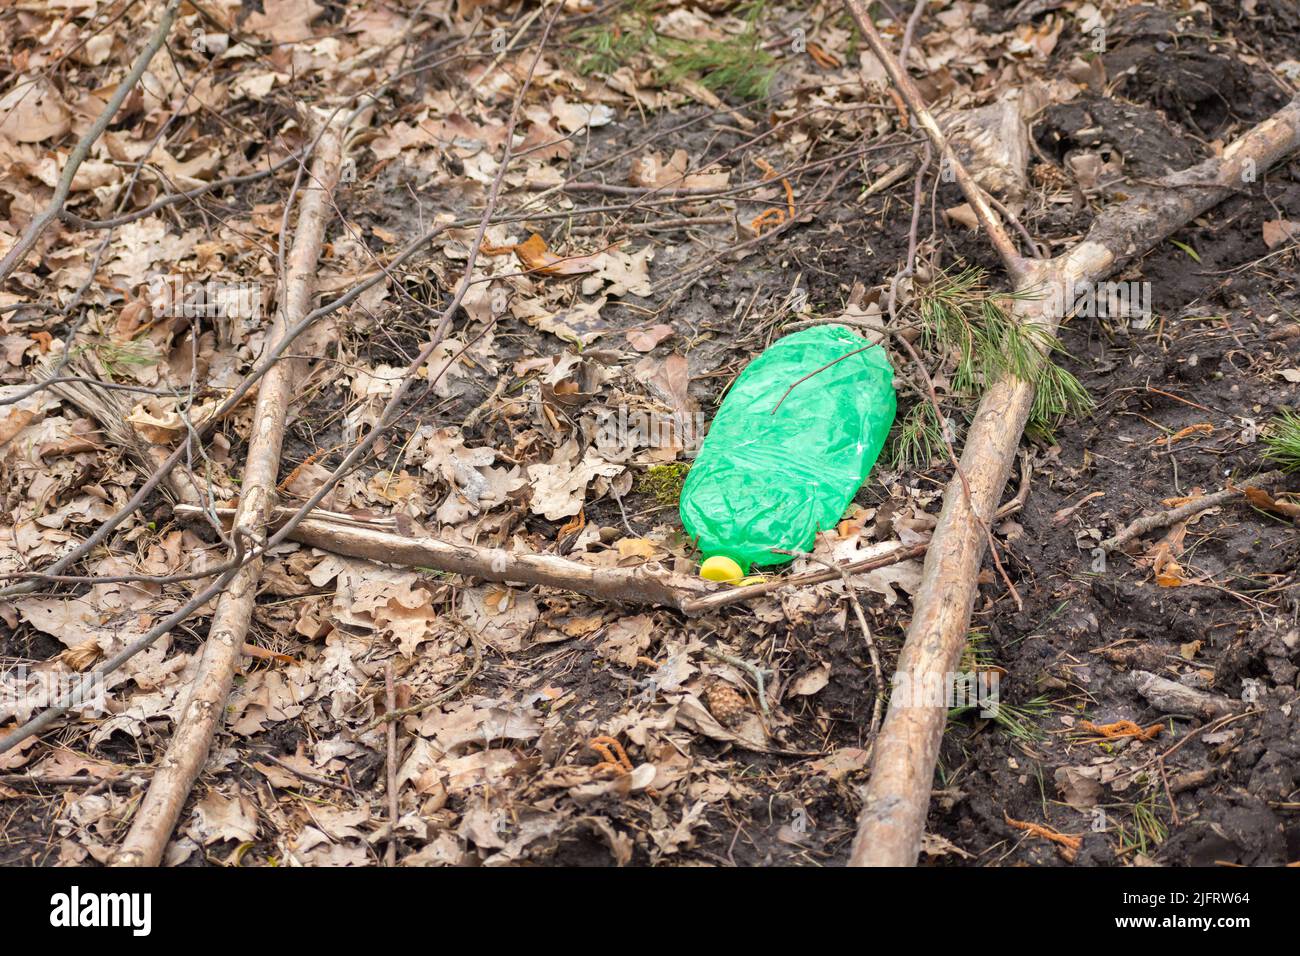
(721, 568)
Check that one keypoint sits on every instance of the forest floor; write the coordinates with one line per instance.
(650, 138)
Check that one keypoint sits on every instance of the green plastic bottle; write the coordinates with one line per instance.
(767, 480)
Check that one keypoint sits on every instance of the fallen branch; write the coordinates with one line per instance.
(1171, 697)
(639, 585)
(382, 540)
(1164, 519)
(156, 817)
(892, 823)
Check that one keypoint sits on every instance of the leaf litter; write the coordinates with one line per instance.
(579, 325)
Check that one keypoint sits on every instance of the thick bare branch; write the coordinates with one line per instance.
(1163, 519)
(893, 819)
(355, 539)
(154, 820)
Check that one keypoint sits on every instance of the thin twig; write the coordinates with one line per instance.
(391, 716)
(78, 155)
(303, 775)
(77, 780)
(1164, 519)
(172, 198)
(390, 699)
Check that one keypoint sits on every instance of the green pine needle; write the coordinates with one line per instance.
(962, 319)
(737, 65)
(1282, 440)
(1018, 721)
(918, 440)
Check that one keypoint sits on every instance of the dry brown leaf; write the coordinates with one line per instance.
(842, 762)
(811, 681)
(1262, 499)
(636, 548)
(1080, 787)
(645, 339)
(533, 253)
(284, 21)
(627, 639)
(963, 215)
(217, 818)
(32, 112)
(560, 486)
(14, 422)
(1278, 232)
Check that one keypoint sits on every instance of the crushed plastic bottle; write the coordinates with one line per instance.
(778, 465)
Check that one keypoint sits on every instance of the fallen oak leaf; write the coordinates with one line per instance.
(1079, 786)
(963, 215)
(536, 257)
(842, 762)
(284, 21)
(645, 339)
(13, 423)
(636, 548)
(1262, 499)
(33, 112)
(159, 422)
(653, 172)
(811, 682)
